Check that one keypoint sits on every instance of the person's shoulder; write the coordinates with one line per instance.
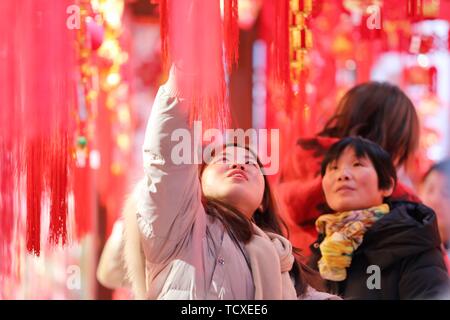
(416, 210)
(408, 223)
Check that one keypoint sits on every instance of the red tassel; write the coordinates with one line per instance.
(231, 33)
(164, 33)
(34, 168)
(281, 43)
(36, 99)
(195, 38)
(83, 195)
(282, 91)
(7, 220)
(58, 189)
(47, 99)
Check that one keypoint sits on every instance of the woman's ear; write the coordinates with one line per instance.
(388, 192)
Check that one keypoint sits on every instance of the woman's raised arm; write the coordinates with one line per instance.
(169, 198)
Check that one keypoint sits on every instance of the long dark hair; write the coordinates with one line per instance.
(267, 219)
(380, 112)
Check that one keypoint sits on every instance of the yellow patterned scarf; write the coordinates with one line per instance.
(344, 232)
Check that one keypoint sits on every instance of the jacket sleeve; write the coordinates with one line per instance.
(169, 197)
(424, 276)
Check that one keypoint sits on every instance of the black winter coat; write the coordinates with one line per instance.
(405, 245)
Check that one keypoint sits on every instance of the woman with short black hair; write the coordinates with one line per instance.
(370, 247)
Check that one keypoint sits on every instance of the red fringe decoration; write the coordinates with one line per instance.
(84, 202)
(231, 33)
(281, 43)
(58, 189)
(34, 165)
(7, 221)
(36, 98)
(192, 32)
(9, 157)
(164, 33)
(280, 75)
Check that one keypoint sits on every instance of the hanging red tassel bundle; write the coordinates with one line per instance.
(231, 33)
(89, 38)
(84, 202)
(36, 95)
(192, 34)
(53, 67)
(280, 46)
(62, 104)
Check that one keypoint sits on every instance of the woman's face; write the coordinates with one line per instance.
(435, 193)
(234, 177)
(351, 183)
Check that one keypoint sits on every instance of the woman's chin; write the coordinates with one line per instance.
(345, 206)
